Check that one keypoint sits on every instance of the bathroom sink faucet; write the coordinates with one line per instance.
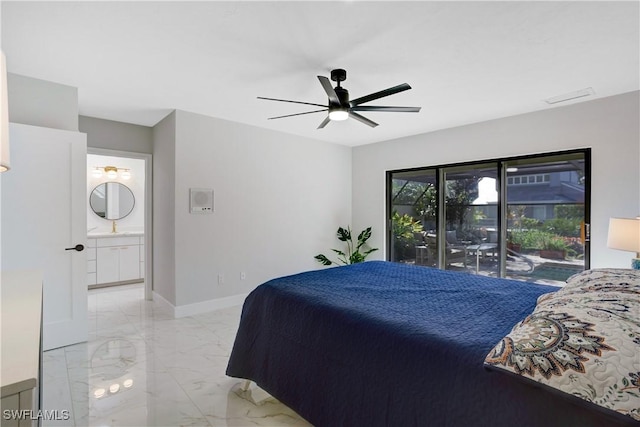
(113, 227)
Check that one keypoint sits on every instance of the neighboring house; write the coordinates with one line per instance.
(539, 194)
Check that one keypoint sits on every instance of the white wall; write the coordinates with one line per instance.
(135, 220)
(42, 103)
(116, 135)
(279, 199)
(610, 126)
(164, 225)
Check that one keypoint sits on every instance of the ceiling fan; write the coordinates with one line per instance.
(341, 108)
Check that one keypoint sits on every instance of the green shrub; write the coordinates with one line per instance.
(569, 227)
(404, 229)
(537, 240)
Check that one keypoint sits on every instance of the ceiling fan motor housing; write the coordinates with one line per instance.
(338, 75)
(343, 96)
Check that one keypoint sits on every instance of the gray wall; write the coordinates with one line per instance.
(279, 200)
(164, 236)
(609, 126)
(117, 135)
(42, 103)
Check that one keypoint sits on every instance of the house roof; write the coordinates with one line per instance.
(544, 193)
(466, 61)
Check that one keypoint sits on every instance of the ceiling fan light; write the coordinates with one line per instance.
(338, 115)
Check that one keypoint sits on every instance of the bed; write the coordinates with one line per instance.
(385, 344)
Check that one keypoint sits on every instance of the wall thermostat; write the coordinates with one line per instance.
(200, 200)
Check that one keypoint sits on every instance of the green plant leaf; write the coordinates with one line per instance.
(356, 257)
(338, 252)
(323, 259)
(369, 251)
(365, 235)
(344, 234)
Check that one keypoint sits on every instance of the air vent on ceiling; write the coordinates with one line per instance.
(569, 96)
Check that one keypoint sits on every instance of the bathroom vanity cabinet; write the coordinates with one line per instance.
(115, 259)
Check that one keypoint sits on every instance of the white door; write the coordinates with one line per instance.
(43, 214)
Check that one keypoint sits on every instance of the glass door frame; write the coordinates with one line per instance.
(502, 217)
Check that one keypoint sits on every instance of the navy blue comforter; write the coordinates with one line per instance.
(384, 344)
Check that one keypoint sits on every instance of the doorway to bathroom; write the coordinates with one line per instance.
(119, 219)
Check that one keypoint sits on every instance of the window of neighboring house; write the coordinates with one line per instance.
(528, 179)
(453, 216)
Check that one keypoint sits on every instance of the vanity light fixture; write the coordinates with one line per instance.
(4, 116)
(112, 172)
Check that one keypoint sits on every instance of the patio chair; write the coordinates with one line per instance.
(454, 251)
(421, 248)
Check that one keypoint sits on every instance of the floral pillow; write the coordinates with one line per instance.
(583, 340)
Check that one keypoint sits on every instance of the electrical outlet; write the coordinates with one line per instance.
(220, 279)
(243, 275)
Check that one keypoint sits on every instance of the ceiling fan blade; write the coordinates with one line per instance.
(382, 93)
(297, 114)
(362, 119)
(380, 108)
(294, 102)
(324, 122)
(326, 84)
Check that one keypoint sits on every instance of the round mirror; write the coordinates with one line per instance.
(112, 200)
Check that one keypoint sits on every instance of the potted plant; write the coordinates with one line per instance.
(352, 254)
(554, 247)
(514, 241)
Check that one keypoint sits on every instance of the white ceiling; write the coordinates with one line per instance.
(466, 61)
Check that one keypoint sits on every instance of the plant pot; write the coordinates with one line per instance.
(552, 254)
(515, 247)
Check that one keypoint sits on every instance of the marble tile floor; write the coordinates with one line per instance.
(142, 367)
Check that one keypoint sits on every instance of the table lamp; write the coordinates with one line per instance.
(624, 235)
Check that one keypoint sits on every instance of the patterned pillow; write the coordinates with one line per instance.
(583, 340)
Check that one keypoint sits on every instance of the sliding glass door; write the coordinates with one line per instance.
(524, 218)
(546, 200)
(413, 214)
(471, 218)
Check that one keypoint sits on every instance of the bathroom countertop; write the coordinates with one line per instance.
(103, 234)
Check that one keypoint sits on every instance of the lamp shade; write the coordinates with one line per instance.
(4, 117)
(624, 234)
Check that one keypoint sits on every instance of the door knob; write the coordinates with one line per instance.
(78, 248)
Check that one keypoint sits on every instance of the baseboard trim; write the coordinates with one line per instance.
(112, 284)
(160, 300)
(200, 307)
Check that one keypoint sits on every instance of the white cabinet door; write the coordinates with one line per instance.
(108, 264)
(129, 262)
(44, 211)
(141, 258)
